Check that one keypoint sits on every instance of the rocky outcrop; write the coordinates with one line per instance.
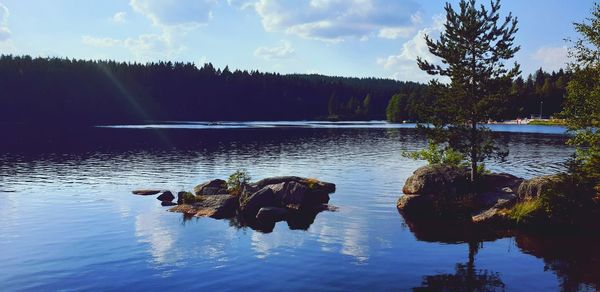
(211, 188)
(215, 206)
(289, 198)
(437, 180)
(445, 191)
(534, 187)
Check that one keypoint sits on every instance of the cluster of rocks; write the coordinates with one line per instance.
(442, 191)
(268, 200)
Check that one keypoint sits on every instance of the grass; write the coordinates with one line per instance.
(525, 211)
(551, 122)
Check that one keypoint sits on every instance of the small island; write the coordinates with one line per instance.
(258, 205)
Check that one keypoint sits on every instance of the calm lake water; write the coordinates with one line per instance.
(68, 220)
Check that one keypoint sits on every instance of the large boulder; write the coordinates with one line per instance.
(438, 180)
(250, 204)
(215, 206)
(534, 187)
(211, 188)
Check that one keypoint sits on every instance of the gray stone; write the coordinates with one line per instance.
(211, 188)
(250, 204)
(438, 180)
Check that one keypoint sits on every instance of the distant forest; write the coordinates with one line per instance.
(56, 90)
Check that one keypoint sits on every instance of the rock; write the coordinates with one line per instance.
(185, 198)
(167, 204)
(146, 192)
(495, 199)
(438, 180)
(415, 205)
(266, 214)
(250, 204)
(215, 206)
(311, 183)
(534, 187)
(500, 182)
(493, 217)
(297, 195)
(166, 196)
(211, 188)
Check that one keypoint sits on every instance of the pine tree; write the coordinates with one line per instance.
(474, 47)
(367, 106)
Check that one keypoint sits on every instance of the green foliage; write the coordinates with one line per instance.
(186, 198)
(437, 155)
(474, 49)
(237, 181)
(569, 200)
(551, 122)
(582, 105)
(526, 212)
(396, 108)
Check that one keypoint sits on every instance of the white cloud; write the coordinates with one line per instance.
(279, 52)
(146, 47)
(403, 66)
(175, 13)
(119, 17)
(4, 31)
(551, 58)
(337, 20)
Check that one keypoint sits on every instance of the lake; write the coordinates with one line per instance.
(70, 222)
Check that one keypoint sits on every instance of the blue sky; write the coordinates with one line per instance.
(364, 38)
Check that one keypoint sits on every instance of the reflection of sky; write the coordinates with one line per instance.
(73, 216)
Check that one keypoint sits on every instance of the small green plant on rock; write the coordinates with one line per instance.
(435, 154)
(237, 181)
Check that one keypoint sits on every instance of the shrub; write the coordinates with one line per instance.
(437, 155)
(237, 181)
(526, 212)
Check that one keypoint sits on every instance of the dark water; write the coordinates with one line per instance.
(68, 219)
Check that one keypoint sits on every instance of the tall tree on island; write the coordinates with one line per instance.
(473, 48)
(582, 104)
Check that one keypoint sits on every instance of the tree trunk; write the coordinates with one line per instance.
(473, 156)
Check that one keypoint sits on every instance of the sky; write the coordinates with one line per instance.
(361, 38)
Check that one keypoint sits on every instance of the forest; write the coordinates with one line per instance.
(61, 90)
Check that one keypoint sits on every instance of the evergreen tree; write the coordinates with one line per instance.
(333, 105)
(473, 47)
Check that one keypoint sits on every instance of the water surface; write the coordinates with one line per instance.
(69, 220)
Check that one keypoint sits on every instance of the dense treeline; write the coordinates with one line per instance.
(55, 90)
(540, 93)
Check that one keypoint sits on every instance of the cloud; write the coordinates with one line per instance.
(175, 13)
(146, 47)
(551, 58)
(403, 66)
(282, 51)
(119, 17)
(4, 31)
(338, 20)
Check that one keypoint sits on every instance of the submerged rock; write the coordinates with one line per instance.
(146, 192)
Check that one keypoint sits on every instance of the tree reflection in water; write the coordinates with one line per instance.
(574, 257)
